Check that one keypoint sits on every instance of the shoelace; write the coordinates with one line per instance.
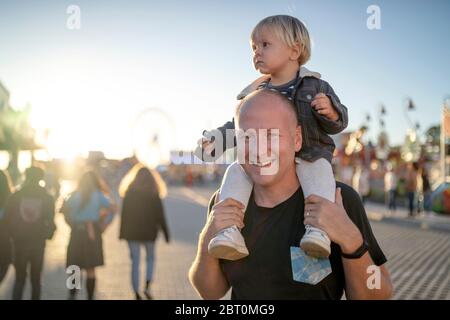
(310, 230)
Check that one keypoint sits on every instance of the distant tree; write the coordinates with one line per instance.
(433, 135)
(16, 134)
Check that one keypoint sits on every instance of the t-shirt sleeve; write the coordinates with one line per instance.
(355, 210)
(211, 203)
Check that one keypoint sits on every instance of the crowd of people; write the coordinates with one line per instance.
(27, 221)
(409, 181)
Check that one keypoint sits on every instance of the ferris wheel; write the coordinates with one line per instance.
(153, 137)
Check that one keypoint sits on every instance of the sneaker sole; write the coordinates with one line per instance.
(315, 248)
(224, 251)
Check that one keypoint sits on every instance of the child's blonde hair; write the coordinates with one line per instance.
(290, 30)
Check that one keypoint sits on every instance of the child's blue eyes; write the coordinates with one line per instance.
(264, 45)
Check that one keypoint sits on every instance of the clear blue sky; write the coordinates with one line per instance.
(191, 58)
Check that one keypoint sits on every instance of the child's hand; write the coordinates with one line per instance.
(322, 104)
(206, 144)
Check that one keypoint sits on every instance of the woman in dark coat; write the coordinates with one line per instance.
(5, 241)
(142, 218)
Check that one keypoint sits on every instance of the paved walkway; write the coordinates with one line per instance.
(419, 257)
(185, 219)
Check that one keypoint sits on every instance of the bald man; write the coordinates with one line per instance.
(272, 227)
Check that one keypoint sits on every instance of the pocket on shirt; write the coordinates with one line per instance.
(306, 269)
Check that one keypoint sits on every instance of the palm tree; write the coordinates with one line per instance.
(16, 134)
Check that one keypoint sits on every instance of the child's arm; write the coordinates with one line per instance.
(331, 114)
(209, 144)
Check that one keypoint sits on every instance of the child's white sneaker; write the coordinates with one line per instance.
(316, 243)
(228, 244)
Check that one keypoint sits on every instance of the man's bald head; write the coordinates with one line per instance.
(268, 137)
(266, 98)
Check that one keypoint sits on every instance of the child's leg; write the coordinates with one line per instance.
(236, 185)
(229, 243)
(316, 178)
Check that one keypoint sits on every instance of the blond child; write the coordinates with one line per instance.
(281, 46)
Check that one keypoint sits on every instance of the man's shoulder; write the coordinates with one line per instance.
(347, 190)
(212, 200)
(350, 198)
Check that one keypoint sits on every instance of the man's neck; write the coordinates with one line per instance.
(285, 75)
(270, 196)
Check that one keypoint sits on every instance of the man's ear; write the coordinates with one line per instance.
(298, 138)
(296, 51)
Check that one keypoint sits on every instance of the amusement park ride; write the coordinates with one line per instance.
(441, 196)
(153, 137)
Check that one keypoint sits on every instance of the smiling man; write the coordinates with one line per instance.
(272, 227)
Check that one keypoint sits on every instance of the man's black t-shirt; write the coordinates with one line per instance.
(270, 232)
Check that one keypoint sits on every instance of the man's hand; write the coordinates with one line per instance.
(224, 214)
(322, 104)
(333, 219)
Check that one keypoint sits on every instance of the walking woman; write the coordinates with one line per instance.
(5, 241)
(142, 218)
(88, 211)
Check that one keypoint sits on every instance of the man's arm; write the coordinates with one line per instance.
(358, 271)
(205, 274)
(357, 279)
(334, 220)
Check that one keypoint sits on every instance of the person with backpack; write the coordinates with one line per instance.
(87, 211)
(29, 217)
(5, 241)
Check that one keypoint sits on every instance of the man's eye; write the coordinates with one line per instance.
(271, 134)
(265, 44)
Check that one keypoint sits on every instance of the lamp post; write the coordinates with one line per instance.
(444, 129)
(368, 144)
(381, 114)
(411, 147)
(382, 149)
(409, 107)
